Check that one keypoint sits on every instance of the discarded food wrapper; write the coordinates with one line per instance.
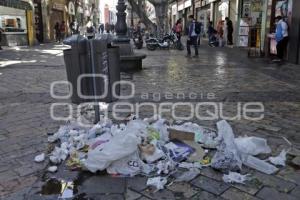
(227, 157)
(234, 177)
(178, 150)
(198, 154)
(259, 165)
(59, 154)
(158, 182)
(164, 166)
(252, 145)
(52, 169)
(39, 158)
(188, 175)
(280, 159)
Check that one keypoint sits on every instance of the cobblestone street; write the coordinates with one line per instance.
(26, 74)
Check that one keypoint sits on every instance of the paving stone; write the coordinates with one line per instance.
(268, 193)
(211, 173)
(137, 183)
(296, 192)
(290, 174)
(235, 194)
(296, 161)
(159, 195)
(103, 185)
(7, 175)
(131, 195)
(275, 182)
(2, 137)
(183, 188)
(210, 185)
(294, 152)
(203, 195)
(28, 169)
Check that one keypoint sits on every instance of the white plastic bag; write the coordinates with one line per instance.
(39, 158)
(259, 165)
(158, 182)
(227, 156)
(252, 145)
(234, 177)
(280, 159)
(129, 165)
(120, 146)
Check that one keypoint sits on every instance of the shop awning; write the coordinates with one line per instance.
(16, 4)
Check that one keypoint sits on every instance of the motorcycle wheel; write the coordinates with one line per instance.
(171, 43)
(151, 47)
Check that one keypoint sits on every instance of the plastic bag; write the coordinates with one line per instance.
(227, 156)
(280, 159)
(259, 165)
(162, 128)
(234, 177)
(252, 145)
(158, 182)
(187, 165)
(129, 165)
(120, 146)
(39, 158)
(188, 175)
(59, 154)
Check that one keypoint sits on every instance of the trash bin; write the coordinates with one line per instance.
(78, 61)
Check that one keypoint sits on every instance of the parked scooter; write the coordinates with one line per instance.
(167, 42)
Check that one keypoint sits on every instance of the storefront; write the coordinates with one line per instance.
(14, 21)
(252, 27)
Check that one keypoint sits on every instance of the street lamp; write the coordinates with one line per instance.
(121, 26)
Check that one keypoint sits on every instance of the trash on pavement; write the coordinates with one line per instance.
(181, 135)
(234, 177)
(188, 175)
(280, 159)
(158, 182)
(129, 165)
(155, 147)
(120, 146)
(39, 158)
(259, 165)
(52, 169)
(252, 145)
(227, 157)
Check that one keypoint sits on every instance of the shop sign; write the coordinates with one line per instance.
(71, 8)
(174, 9)
(180, 5)
(187, 3)
(79, 9)
(58, 6)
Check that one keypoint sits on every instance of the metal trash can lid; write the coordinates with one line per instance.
(73, 39)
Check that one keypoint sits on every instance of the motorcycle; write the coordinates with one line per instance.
(167, 42)
(137, 38)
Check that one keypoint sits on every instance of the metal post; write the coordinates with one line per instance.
(96, 105)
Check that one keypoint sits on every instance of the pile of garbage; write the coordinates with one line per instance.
(157, 149)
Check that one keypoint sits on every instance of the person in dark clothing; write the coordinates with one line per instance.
(57, 32)
(211, 32)
(193, 29)
(1, 30)
(101, 28)
(229, 31)
(282, 38)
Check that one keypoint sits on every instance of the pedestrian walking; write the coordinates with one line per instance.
(90, 30)
(220, 30)
(282, 38)
(57, 32)
(193, 30)
(229, 31)
(74, 27)
(178, 30)
(62, 30)
(1, 30)
(101, 28)
(107, 28)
